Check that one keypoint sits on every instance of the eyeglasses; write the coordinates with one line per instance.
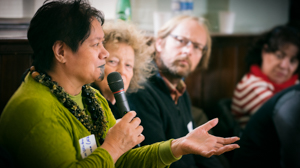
(183, 41)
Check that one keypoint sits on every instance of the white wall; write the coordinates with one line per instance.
(259, 15)
(27, 8)
(142, 13)
(251, 15)
(11, 8)
(108, 7)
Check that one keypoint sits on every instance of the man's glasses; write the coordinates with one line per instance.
(182, 41)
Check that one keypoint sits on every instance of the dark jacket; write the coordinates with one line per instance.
(272, 136)
(162, 119)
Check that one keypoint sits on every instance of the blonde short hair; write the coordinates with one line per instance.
(124, 32)
(169, 26)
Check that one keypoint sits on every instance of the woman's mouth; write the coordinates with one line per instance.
(280, 74)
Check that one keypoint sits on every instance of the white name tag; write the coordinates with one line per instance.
(87, 145)
(190, 126)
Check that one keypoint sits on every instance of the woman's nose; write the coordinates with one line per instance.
(103, 54)
(285, 63)
(121, 68)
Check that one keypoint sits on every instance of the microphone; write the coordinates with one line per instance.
(116, 85)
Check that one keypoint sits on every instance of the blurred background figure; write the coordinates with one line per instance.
(273, 65)
(272, 136)
(130, 55)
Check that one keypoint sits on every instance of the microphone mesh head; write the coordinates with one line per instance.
(115, 81)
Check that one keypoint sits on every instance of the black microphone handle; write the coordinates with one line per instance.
(123, 106)
(122, 103)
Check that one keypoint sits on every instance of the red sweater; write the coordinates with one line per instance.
(252, 91)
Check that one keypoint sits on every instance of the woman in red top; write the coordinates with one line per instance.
(273, 65)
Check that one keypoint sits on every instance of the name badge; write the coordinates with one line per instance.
(190, 126)
(87, 145)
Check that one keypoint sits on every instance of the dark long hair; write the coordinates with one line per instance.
(274, 39)
(68, 21)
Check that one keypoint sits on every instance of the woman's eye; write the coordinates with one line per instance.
(280, 56)
(129, 66)
(294, 60)
(112, 62)
(96, 45)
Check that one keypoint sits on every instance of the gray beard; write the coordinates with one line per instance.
(172, 72)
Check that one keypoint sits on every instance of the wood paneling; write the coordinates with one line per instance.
(15, 58)
(226, 68)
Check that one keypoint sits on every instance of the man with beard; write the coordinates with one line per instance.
(164, 105)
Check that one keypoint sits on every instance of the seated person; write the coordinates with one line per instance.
(272, 136)
(164, 105)
(129, 55)
(55, 119)
(273, 65)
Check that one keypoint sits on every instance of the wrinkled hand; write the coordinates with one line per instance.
(200, 142)
(123, 136)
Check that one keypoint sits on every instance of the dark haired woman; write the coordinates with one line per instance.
(273, 65)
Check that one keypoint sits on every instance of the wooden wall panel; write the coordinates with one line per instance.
(11, 69)
(15, 58)
(226, 67)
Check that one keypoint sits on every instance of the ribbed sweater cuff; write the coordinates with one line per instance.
(166, 154)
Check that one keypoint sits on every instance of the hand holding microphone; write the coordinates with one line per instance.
(116, 85)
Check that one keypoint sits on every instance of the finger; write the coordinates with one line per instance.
(210, 124)
(227, 140)
(218, 145)
(128, 116)
(136, 122)
(141, 138)
(210, 153)
(226, 148)
(139, 130)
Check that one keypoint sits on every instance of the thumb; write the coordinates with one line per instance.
(210, 124)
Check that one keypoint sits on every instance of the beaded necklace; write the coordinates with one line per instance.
(96, 123)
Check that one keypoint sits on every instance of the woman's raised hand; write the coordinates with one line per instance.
(123, 136)
(200, 142)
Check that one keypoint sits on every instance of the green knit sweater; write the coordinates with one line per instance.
(38, 131)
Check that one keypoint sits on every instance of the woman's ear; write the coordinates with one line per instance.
(59, 51)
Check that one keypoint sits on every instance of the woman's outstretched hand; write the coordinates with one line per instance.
(200, 142)
(123, 136)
